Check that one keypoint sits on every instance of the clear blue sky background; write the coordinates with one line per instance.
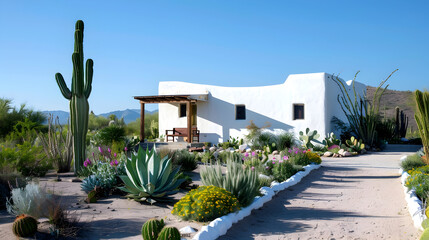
(137, 44)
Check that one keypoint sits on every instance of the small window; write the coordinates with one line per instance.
(182, 110)
(240, 112)
(298, 111)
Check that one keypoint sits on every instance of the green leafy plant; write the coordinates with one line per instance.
(149, 178)
(285, 140)
(330, 140)
(78, 96)
(109, 135)
(282, 170)
(89, 183)
(418, 180)
(241, 182)
(24, 226)
(412, 162)
(361, 114)
(308, 137)
(422, 119)
(205, 204)
(185, 160)
(151, 229)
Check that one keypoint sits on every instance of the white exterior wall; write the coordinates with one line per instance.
(272, 104)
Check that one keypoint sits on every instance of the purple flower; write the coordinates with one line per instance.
(114, 154)
(281, 161)
(114, 163)
(253, 168)
(246, 154)
(253, 154)
(285, 157)
(243, 159)
(290, 151)
(274, 162)
(93, 154)
(99, 149)
(108, 149)
(303, 151)
(87, 162)
(296, 152)
(126, 149)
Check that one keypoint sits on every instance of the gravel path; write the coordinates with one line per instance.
(347, 198)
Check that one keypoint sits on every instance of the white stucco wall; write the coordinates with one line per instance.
(267, 104)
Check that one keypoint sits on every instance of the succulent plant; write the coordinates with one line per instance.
(92, 197)
(24, 226)
(78, 96)
(89, 183)
(353, 145)
(152, 228)
(169, 233)
(422, 119)
(331, 140)
(308, 137)
(149, 178)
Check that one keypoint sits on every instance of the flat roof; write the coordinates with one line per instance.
(171, 98)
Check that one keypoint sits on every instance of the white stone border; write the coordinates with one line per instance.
(415, 206)
(220, 226)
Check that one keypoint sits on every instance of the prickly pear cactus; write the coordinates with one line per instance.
(78, 96)
(308, 137)
(353, 145)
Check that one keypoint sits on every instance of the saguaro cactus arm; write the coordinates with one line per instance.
(88, 78)
(63, 86)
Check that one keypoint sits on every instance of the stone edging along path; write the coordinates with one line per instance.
(415, 206)
(220, 226)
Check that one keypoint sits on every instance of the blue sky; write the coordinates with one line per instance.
(137, 44)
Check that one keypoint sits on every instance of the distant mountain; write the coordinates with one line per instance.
(129, 115)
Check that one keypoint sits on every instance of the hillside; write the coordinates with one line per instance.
(392, 99)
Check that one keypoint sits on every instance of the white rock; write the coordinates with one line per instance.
(221, 151)
(275, 152)
(248, 150)
(212, 149)
(242, 147)
(341, 151)
(187, 229)
(346, 154)
(328, 154)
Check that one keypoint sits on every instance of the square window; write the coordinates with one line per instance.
(240, 112)
(182, 110)
(298, 111)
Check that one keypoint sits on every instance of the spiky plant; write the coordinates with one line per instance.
(422, 119)
(78, 96)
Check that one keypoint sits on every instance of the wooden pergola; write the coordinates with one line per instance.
(188, 99)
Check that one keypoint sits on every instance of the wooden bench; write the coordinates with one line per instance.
(182, 132)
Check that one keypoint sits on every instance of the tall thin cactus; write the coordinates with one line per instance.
(422, 119)
(78, 96)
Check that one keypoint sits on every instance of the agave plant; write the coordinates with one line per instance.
(150, 178)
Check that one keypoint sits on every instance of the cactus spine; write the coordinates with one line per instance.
(151, 229)
(78, 96)
(24, 226)
(169, 233)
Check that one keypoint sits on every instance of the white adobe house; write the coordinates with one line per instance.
(302, 101)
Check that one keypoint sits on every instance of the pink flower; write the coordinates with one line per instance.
(100, 149)
(108, 149)
(303, 151)
(290, 151)
(274, 162)
(246, 154)
(126, 149)
(114, 154)
(93, 154)
(296, 152)
(253, 168)
(253, 154)
(114, 163)
(285, 157)
(87, 162)
(281, 161)
(274, 158)
(267, 167)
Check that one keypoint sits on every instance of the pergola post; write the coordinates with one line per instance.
(141, 121)
(188, 115)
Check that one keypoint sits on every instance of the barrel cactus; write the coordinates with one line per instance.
(169, 233)
(24, 226)
(78, 96)
(152, 228)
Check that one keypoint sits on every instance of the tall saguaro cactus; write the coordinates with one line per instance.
(78, 96)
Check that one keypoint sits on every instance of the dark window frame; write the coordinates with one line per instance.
(240, 117)
(181, 112)
(295, 111)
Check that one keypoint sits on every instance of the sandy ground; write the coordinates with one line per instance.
(347, 198)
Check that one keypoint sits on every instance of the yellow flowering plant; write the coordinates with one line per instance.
(205, 204)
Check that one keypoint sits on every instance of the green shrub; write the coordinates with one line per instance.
(422, 119)
(412, 162)
(419, 182)
(185, 160)
(242, 183)
(109, 135)
(282, 170)
(208, 157)
(285, 140)
(205, 203)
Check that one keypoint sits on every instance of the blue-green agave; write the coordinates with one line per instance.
(149, 178)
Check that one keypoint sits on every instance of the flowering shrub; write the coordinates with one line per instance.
(282, 170)
(419, 181)
(313, 157)
(205, 204)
